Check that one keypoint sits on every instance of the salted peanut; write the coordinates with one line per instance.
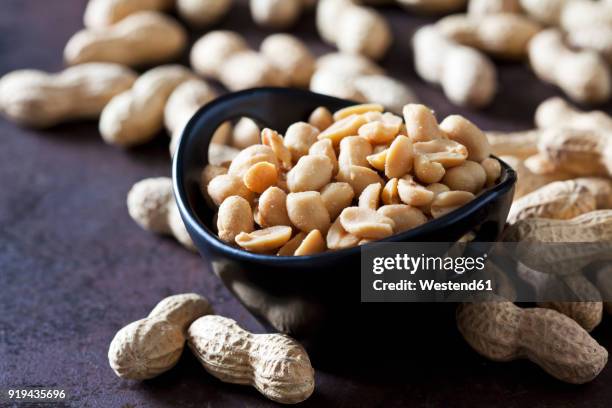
(208, 174)
(560, 200)
(245, 133)
(249, 156)
(357, 109)
(289, 248)
(354, 151)
(358, 177)
(469, 176)
(219, 154)
(492, 169)
(435, 188)
(271, 138)
(519, 144)
(389, 194)
(260, 176)
(336, 197)
(222, 135)
(307, 211)
(310, 173)
(399, 157)
(313, 243)
(377, 132)
(427, 171)
(448, 201)
(444, 151)
(339, 238)
(325, 148)
(461, 130)
(299, 137)
(412, 193)
(344, 127)
(404, 216)
(264, 240)
(377, 160)
(272, 208)
(370, 197)
(366, 223)
(225, 185)
(321, 118)
(234, 217)
(421, 123)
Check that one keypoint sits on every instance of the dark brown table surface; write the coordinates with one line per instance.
(74, 267)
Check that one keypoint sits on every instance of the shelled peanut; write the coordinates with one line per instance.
(148, 347)
(356, 78)
(501, 331)
(353, 28)
(37, 99)
(503, 35)
(142, 38)
(151, 205)
(467, 77)
(283, 60)
(364, 175)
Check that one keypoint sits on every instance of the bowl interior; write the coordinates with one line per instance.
(277, 108)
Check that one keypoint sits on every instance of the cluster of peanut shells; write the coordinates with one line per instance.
(347, 178)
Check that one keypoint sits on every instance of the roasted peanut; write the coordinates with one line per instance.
(38, 99)
(307, 211)
(298, 139)
(444, 151)
(421, 123)
(245, 133)
(357, 110)
(291, 56)
(276, 365)
(325, 148)
(249, 156)
(412, 193)
(399, 157)
(554, 62)
(260, 176)
(492, 169)
(234, 217)
(370, 196)
(136, 115)
(435, 188)
(381, 131)
(264, 240)
(436, 60)
(359, 177)
(339, 238)
(336, 197)
(148, 347)
(366, 223)
(289, 248)
(503, 35)
(404, 216)
(448, 201)
(389, 194)
(463, 131)
(220, 154)
(151, 204)
(272, 207)
(428, 171)
(502, 331)
(313, 243)
(225, 185)
(377, 160)
(469, 176)
(142, 38)
(354, 151)
(276, 142)
(321, 118)
(310, 173)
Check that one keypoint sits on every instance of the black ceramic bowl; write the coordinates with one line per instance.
(315, 298)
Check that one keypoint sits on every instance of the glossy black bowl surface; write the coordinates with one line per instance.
(315, 298)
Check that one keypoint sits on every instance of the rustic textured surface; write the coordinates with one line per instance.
(74, 267)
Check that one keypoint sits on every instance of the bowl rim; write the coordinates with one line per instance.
(189, 214)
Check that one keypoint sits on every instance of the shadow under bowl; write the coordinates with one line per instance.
(317, 298)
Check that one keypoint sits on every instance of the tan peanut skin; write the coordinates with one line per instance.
(148, 347)
(276, 365)
(143, 38)
(37, 99)
(502, 331)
